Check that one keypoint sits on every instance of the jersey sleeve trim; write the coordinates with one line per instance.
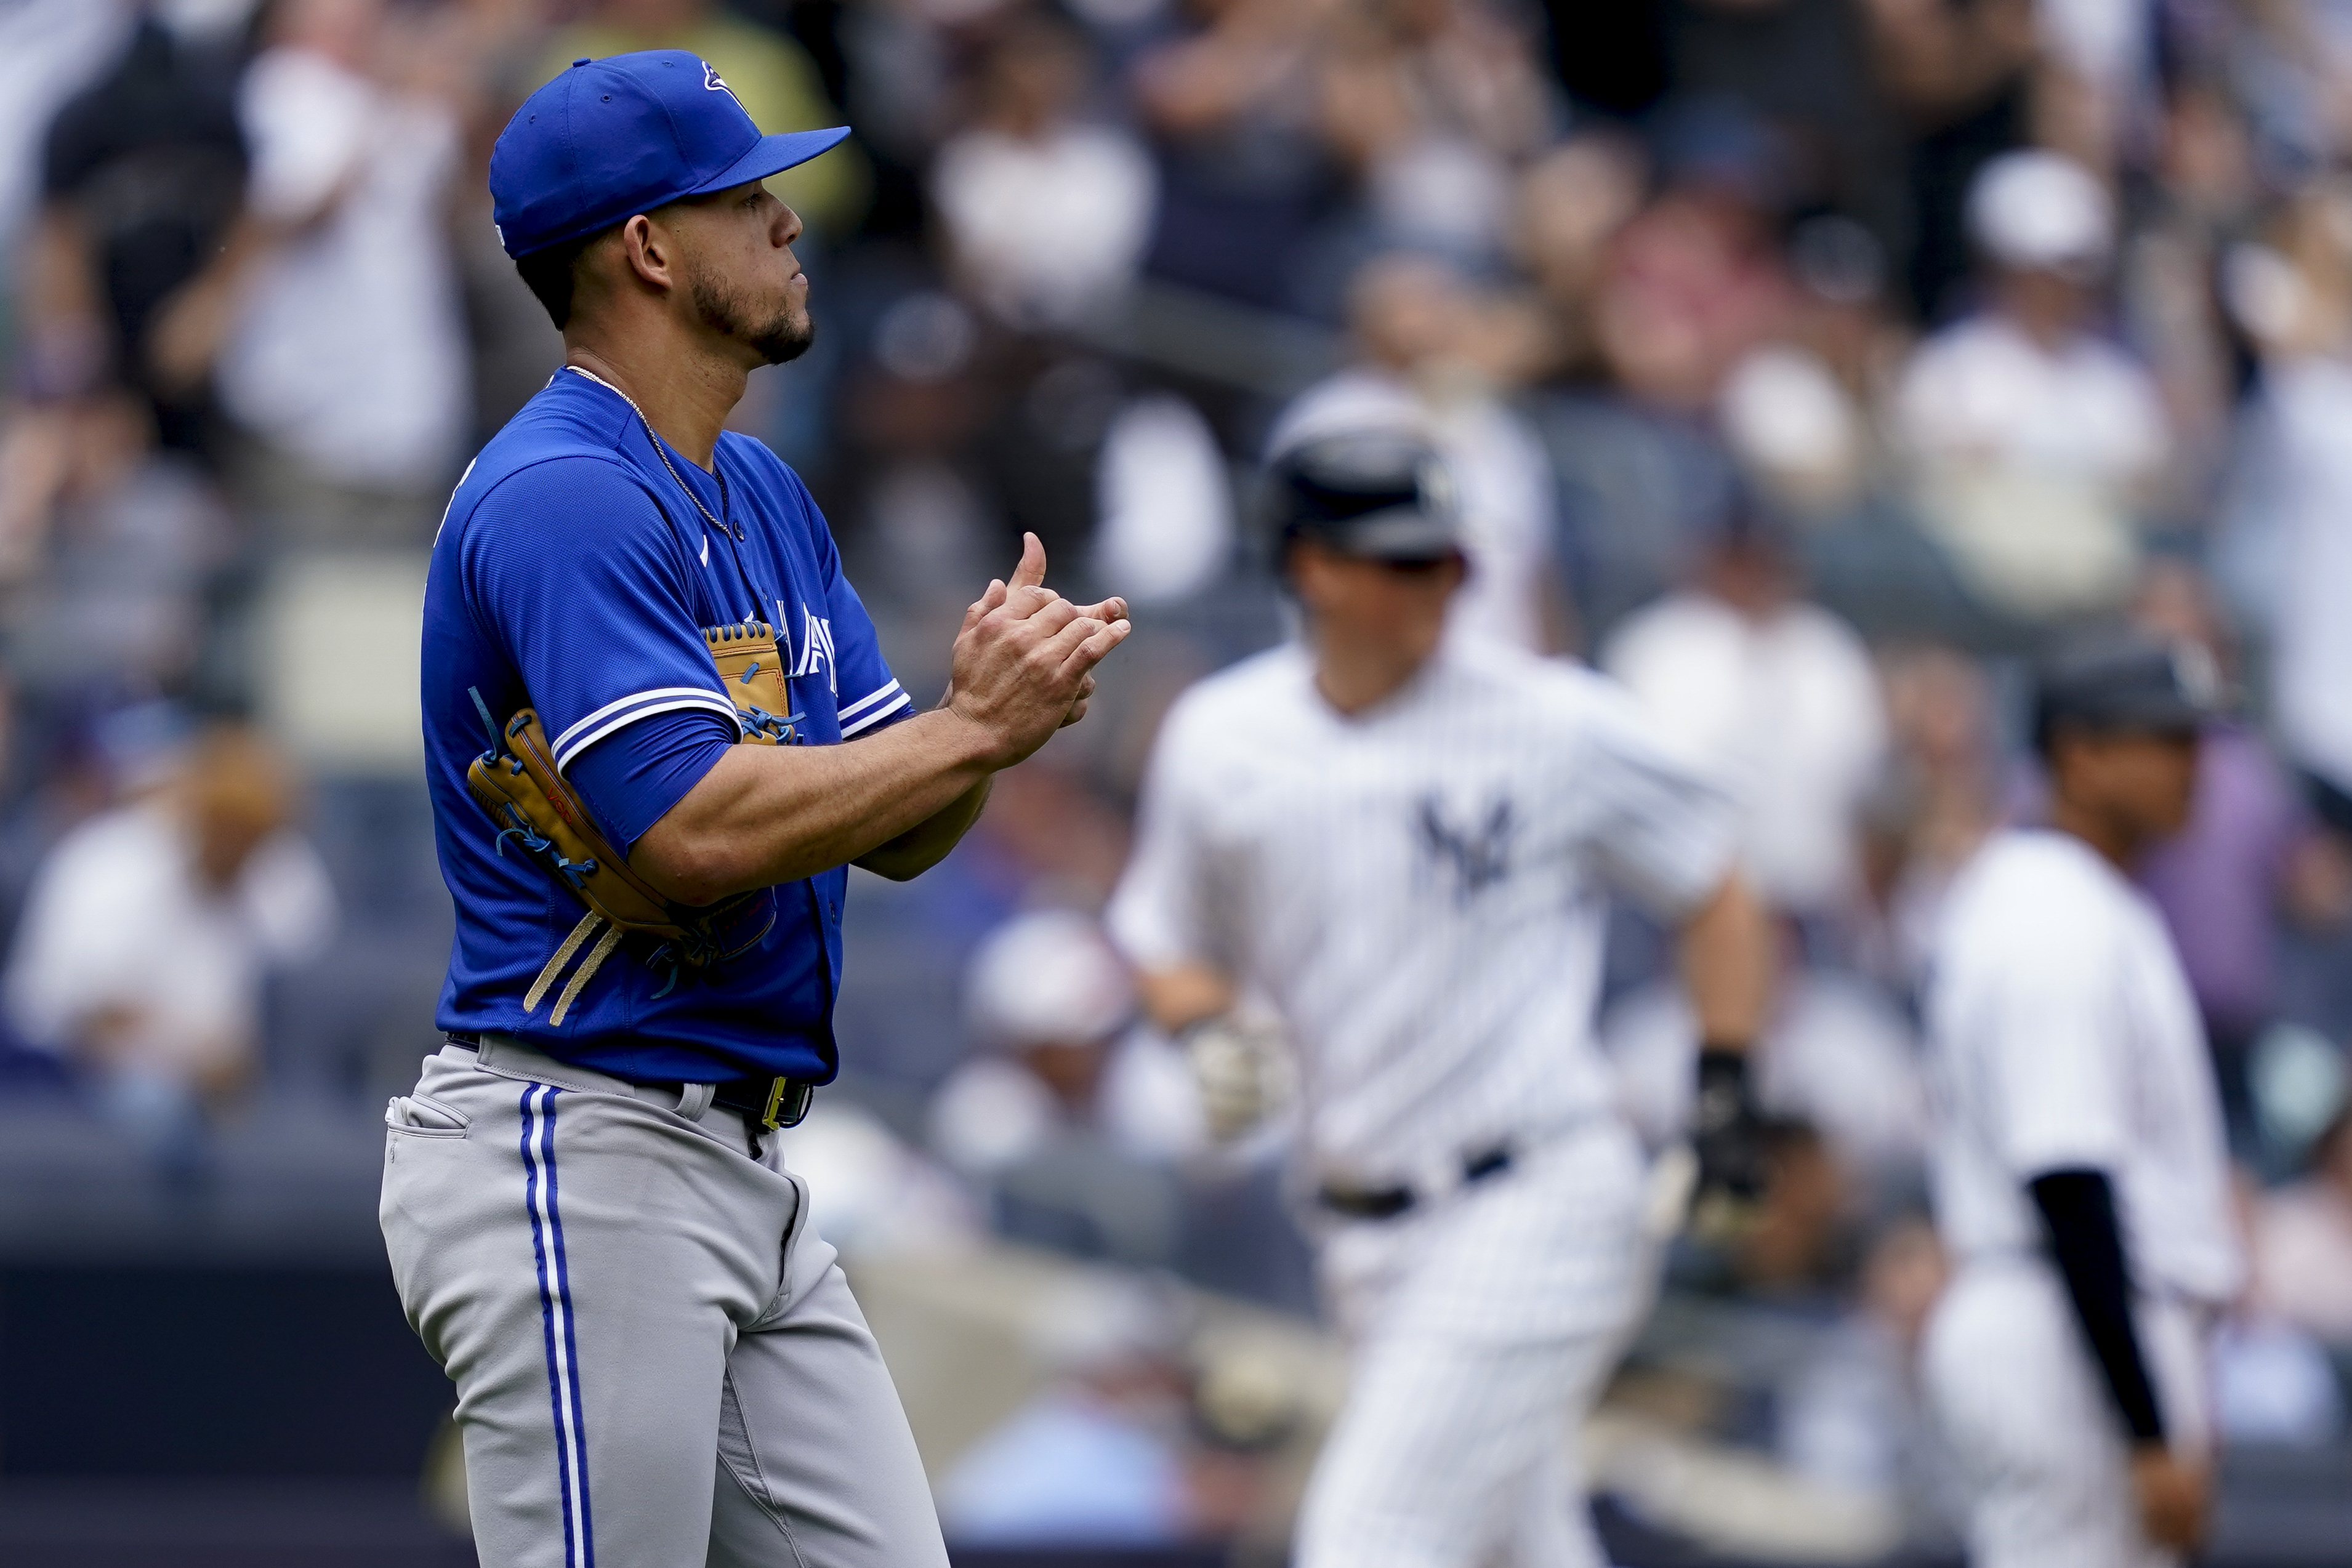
(629, 709)
(868, 711)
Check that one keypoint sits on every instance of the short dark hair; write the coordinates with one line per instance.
(549, 274)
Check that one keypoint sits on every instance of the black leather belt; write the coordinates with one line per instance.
(772, 1103)
(769, 1102)
(1388, 1202)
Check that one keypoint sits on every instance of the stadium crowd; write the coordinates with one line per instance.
(1809, 365)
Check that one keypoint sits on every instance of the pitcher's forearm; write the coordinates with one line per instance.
(927, 843)
(773, 814)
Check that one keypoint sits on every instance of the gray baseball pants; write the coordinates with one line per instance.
(658, 1361)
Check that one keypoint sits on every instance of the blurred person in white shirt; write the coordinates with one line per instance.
(48, 50)
(1074, 1116)
(2286, 552)
(341, 345)
(2033, 441)
(1047, 215)
(2303, 1241)
(1419, 330)
(1778, 692)
(149, 930)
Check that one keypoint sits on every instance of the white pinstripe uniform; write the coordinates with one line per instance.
(2064, 1037)
(1418, 891)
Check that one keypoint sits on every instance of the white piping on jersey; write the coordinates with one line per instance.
(879, 714)
(617, 703)
(853, 709)
(565, 750)
(452, 502)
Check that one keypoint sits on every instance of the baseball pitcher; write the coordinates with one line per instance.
(658, 731)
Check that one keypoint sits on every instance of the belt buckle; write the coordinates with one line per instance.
(788, 1104)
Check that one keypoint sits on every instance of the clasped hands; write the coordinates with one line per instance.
(1024, 659)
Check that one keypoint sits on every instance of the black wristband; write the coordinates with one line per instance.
(1724, 1095)
(2078, 1207)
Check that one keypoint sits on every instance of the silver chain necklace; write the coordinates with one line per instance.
(731, 532)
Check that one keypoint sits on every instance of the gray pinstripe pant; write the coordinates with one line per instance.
(1481, 1330)
(658, 1362)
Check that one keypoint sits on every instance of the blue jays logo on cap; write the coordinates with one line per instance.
(615, 137)
(713, 82)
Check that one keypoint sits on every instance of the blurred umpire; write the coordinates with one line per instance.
(1402, 845)
(2080, 1175)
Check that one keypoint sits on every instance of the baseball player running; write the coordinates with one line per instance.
(2081, 1178)
(1401, 844)
(640, 660)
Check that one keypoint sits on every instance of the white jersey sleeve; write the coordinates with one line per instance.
(1661, 828)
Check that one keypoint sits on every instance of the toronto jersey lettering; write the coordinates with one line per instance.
(574, 573)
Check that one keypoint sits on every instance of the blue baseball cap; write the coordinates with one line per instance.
(612, 138)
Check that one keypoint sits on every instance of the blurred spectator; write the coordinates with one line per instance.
(1795, 429)
(145, 942)
(48, 50)
(1943, 793)
(1434, 101)
(1778, 692)
(2032, 441)
(1246, 184)
(1799, 1249)
(869, 1192)
(122, 537)
(1800, 67)
(482, 55)
(1849, 1415)
(341, 345)
(1962, 76)
(1692, 283)
(1075, 1121)
(2303, 1241)
(768, 72)
(141, 175)
(2294, 296)
(2223, 881)
(2206, 197)
(2271, 1380)
(1687, 288)
(1570, 202)
(1166, 526)
(1098, 1457)
(1415, 323)
(1047, 216)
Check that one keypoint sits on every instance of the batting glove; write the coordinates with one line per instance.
(1243, 1069)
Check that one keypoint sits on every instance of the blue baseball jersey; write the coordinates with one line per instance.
(574, 574)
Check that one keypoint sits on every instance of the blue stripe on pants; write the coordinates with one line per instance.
(556, 1323)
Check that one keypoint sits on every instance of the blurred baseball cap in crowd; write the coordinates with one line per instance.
(2129, 681)
(1376, 494)
(611, 138)
(1046, 977)
(2038, 211)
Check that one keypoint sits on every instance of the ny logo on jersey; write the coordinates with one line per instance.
(1479, 852)
(816, 648)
